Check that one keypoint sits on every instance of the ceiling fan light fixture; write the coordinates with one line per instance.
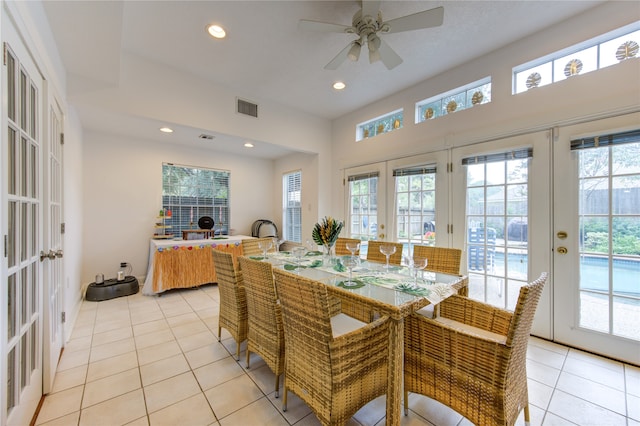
(354, 52)
(374, 56)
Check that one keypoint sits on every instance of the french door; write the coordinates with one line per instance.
(501, 219)
(597, 237)
(22, 231)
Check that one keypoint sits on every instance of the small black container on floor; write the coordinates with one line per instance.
(112, 288)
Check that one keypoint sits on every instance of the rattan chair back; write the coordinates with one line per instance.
(233, 302)
(440, 259)
(334, 376)
(473, 356)
(251, 246)
(374, 255)
(266, 335)
(341, 246)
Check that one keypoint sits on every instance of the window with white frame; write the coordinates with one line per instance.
(603, 51)
(363, 206)
(194, 192)
(415, 205)
(467, 96)
(379, 125)
(292, 206)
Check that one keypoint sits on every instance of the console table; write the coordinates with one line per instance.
(185, 264)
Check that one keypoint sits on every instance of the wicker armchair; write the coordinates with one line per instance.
(341, 246)
(250, 246)
(233, 302)
(473, 357)
(335, 364)
(441, 259)
(374, 255)
(266, 336)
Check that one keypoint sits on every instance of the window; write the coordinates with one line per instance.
(193, 192)
(608, 49)
(363, 206)
(476, 93)
(383, 124)
(292, 206)
(416, 205)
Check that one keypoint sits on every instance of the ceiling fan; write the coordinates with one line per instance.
(368, 25)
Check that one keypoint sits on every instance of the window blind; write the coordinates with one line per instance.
(363, 176)
(292, 208)
(606, 140)
(412, 171)
(500, 156)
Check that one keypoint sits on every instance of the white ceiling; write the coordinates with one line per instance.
(267, 57)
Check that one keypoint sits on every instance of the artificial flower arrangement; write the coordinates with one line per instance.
(326, 232)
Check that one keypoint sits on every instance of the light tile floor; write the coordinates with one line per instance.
(141, 360)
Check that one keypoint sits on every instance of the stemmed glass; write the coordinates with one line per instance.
(419, 263)
(277, 243)
(350, 262)
(387, 250)
(353, 247)
(298, 253)
(265, 246)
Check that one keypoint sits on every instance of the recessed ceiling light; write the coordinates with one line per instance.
(339, 85)
(248, 145)
(166, 130)
(216, 31)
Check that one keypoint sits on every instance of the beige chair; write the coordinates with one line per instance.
(233, 302)
(472, 358)
(440, 259)
(341, 246)
(374, 255)
(334, 363)
(266, 336)
(250, 246)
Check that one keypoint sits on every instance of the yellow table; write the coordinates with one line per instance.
(185, 264)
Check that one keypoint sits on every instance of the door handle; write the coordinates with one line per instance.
(381, 236)
(59, 253)
(51, 255)
(562, 250)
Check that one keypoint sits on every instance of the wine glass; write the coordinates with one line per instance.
(265, 246)
(353, 247)
(277, 243)
(419, 263)
(387, 250)
(298, 253)
(350, 262)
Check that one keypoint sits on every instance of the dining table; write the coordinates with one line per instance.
(371, 287)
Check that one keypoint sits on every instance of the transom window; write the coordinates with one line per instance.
(476, 93)
(601, 52)
(377, 126)
(292, 206)
(193, 192)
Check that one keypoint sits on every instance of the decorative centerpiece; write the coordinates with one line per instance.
(325, 233)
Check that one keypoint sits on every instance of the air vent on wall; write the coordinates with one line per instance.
(246, 108)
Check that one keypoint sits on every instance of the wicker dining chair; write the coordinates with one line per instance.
(440, 259)
(335, 364)
(374, 255)
(472, 358)
(233, 301)
(266, 335)
(250, 246)
(341, 246)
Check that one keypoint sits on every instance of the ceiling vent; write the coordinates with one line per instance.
(207, 137)
(246, 108)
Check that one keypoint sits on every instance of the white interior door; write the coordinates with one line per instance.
(53, 268)
(597, 238)
(22, 231)
(502, 219)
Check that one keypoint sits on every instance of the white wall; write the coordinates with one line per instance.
(122, 193)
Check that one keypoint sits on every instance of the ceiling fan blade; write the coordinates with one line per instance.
(339, 59)
(370, 8)
(388, 56)
(427, 19)
(324, 27)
